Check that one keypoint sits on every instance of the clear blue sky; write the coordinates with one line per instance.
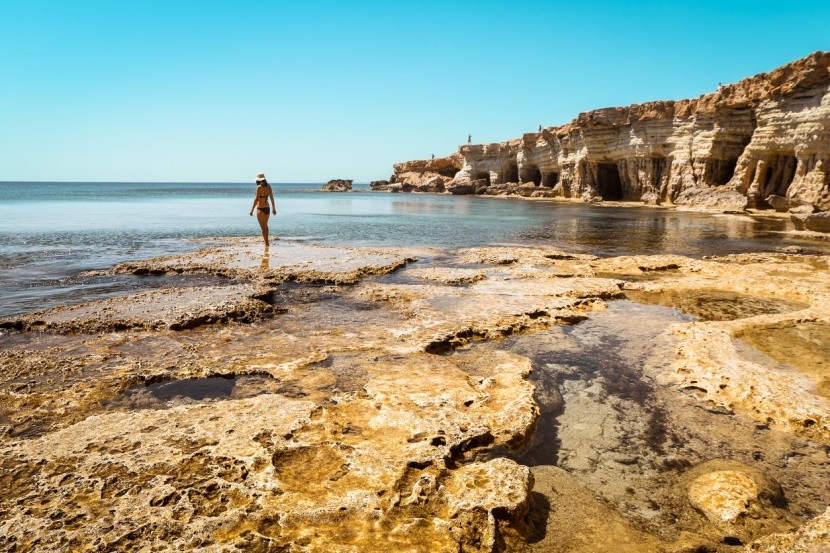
(306, 91)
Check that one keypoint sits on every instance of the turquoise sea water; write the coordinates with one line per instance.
(50, 233)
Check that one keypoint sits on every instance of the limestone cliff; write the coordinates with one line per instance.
(765, 136)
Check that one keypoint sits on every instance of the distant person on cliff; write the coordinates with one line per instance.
(469, 139)
(263, 193)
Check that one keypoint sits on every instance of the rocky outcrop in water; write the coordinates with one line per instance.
(765, 136)
(338, 185)
(431, 175)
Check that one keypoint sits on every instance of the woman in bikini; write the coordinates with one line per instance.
(263, 193)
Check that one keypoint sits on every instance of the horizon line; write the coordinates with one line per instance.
(158, 182)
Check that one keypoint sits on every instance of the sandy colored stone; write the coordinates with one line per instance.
(507, 255)
(818, 222)
(714, 367)
(628, 443)
(451, 276)
(801, 344)
(240, 261)
(445, 318)
(338, 185)
(723, 495)
(176, 309)
(766, 135)
(737, 499)
(812, 537)
(577, 522)
(343, 434)
(438, 165)
(285, 261)
(271, 470)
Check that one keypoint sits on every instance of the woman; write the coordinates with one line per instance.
(263, 192)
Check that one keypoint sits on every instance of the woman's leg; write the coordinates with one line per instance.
(263, 224)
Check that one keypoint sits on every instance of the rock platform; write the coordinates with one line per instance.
(354, 399)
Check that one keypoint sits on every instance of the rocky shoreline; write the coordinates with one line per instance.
(761, 143)
(422, 399)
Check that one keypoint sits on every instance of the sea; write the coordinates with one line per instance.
(57, 237)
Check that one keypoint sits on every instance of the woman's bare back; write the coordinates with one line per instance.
(263, 191)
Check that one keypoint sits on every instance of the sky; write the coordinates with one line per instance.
(307, 91)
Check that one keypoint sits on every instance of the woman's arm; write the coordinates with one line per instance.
(273, 204)
(253, 206)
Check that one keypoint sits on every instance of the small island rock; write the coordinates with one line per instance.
(338, 185)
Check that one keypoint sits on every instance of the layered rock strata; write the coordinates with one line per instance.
(767, 135)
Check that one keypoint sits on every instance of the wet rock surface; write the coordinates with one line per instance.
(812, 537)
(633, 446)
(741, 501)
(286, 262)
(493, 399)
(338, 185)
(175, 309)
(716, 305)
(802, 344)
(251, 276)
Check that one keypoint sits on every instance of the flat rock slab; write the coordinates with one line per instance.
(451, 276)
(442, 318)
(285, 261)
(176, 309)
(508, 255)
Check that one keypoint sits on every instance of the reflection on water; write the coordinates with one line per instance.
(453, 206)
(625, 231)
(101, 224)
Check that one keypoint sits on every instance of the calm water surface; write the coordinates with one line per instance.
(50, 233)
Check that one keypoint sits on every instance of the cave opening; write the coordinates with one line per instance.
(485, 176)
(550, 178)
(719, 169)
(659, 166)
(536, 176)
(609, 185)
(780, 172)
(511, 172)
(717, 172)
(448, 172)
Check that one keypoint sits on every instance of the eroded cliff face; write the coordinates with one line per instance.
(763, 142)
